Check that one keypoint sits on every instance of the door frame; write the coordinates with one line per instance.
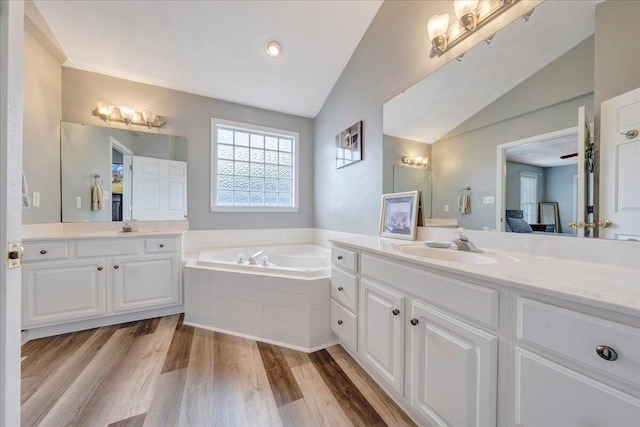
(11, 116)
(127, 156)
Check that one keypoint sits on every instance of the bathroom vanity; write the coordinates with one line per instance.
(490, 339)
(79, 281)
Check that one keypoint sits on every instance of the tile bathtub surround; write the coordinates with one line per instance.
(291, 312)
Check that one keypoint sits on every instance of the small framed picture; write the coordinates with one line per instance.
(349, 145)
(399, 215)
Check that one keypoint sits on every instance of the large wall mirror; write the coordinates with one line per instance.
(119, 174)
(506, 122)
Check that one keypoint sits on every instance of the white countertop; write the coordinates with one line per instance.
(99, 235)
(610, 287)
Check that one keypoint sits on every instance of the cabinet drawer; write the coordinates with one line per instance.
(471, 301)
(344, 324)
(345, 259)
(155, 245)
(45, 251)
(106, 247)
(344, 289)
(576, 335)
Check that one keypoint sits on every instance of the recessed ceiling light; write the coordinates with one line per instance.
(273, 47)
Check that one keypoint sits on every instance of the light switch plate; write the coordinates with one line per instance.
(488, 200)
(78, 202)
(36, 199)
(446, 208)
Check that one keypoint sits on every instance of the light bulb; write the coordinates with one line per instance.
(148, 117)
(127, 114)
(464, 7)
(104, 109)
(273, 47)
(437, 25)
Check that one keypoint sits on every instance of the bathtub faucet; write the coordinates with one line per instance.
(253, 258)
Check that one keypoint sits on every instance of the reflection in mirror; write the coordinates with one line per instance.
(411, 179)
(117, 174)
(464, 125)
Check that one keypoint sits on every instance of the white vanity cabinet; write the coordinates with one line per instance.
(62, 291)
(574, 369)
(72, 284)
(344, 296)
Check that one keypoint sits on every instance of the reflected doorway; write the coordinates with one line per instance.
(121, 160)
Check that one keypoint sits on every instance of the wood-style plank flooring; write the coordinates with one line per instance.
(159, 372)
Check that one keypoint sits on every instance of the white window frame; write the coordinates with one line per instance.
(534, 214)
(214, 167)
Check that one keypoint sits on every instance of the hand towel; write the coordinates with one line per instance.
(97, 198)
(26, 202)
(464, 203)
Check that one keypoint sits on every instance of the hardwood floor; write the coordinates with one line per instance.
(159, 372)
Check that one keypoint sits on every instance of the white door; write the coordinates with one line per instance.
(381, 332)
(11, 54)
(159, 189)
(584, 137)
(620, 166)
(452, 370)
(145, 282)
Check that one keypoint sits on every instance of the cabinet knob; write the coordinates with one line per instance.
(414, 322)
(395, 311)
(339, 256)
(607, 353)
(99, 268)
(116, 266)
(162, 245)
(340, 288)
(44, 251)
(339, 322)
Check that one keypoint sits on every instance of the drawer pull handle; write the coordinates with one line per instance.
(162, 245)
(44, 251)
(339, 322)
(116, 266)
(414, 322)
(99, 268)
(340, 289)
(607, 353)
(339, 256)
(395, 311)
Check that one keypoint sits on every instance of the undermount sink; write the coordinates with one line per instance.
(446, 254)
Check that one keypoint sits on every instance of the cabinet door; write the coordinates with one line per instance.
(140, 283)
(548, 394)
(56, 292)
(452, 369)
(381, 332)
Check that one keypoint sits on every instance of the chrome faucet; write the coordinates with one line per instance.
(462, 243)
(253, 258)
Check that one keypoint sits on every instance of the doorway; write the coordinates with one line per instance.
(121, 161)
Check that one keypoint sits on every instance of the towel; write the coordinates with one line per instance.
(464, 203)
(97, 198)
(26, 202)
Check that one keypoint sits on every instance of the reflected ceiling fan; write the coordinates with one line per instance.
(568, 156)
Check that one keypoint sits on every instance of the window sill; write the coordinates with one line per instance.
(254, 209)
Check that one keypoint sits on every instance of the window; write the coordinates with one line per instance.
(253, 168)
(529, 196)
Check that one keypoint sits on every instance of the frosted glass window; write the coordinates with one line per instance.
(254, 167)
(529, 197)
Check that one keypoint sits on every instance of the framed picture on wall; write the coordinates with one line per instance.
(399, 215)
(349, 145)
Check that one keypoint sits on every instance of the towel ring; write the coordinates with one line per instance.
(464, 191)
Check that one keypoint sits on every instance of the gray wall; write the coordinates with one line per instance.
(41, 133)
(546, 102)
(559, 188)
(512, 184)
(190, 116)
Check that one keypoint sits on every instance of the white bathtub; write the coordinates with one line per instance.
(304, 261)
(286, 302)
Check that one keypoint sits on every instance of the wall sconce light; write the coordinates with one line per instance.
(415, 161)
(128, 116)
(471, 15)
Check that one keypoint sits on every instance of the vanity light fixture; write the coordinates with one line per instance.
(128, 116)
(415, 161)
(273, 47)
(471, 15)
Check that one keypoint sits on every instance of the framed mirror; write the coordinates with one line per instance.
(119, 174)
(548, 216)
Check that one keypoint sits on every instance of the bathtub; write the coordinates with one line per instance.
(286, 302)
(303, 261)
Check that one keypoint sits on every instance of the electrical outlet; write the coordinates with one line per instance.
(36, 199)
(446, 208)
(488, 200)
(78, 202)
